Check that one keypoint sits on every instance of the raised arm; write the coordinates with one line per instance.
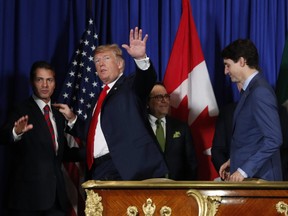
(137, 46)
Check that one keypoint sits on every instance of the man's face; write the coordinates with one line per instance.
(44, 84)
(108, 66)
(233, 70)
(159, 101)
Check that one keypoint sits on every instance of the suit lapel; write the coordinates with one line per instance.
(40, 122)
(169, 133)
(113, 90)
(37, 114)
(243, 98)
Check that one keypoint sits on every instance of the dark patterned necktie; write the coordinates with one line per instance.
(160, 134)
(92, 128)
(50, 126)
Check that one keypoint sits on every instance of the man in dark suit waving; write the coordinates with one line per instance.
(176, 143)
(119, 143)
(34, 134)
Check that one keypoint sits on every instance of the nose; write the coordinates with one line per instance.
(226, 71)
(101, 61)
(45, 83)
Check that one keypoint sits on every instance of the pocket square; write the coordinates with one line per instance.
(176, 134)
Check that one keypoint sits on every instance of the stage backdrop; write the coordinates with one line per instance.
(50, 30)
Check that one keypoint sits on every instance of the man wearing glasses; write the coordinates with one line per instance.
(174, 137)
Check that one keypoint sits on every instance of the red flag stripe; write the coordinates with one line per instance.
(192, 96)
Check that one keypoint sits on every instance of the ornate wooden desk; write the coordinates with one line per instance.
(157, 197)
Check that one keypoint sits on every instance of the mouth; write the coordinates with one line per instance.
(102, 71)
(44, 91)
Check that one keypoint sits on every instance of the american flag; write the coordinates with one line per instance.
(82, 85)
(80, 90)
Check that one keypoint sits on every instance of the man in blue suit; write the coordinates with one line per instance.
(120, 145)
(256, 130)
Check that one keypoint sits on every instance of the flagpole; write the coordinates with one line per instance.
(89, 8)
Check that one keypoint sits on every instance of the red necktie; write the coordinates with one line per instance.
(92, 128)
(50, 126)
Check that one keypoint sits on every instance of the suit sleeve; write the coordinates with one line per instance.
(144, 82)
(265, 112)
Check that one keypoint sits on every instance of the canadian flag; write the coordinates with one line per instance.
(192, 96)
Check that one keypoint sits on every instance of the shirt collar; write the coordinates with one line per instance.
(248, 80)
(152, 119)
(110, 85)
(41, 104)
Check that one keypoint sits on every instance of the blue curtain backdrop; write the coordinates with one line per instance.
(50, 30)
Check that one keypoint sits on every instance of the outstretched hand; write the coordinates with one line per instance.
(137, 47)
(22, 126)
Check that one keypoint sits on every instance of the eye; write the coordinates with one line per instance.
(106, 58)
(96, 61)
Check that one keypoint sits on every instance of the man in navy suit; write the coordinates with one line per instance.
(178, 147)
(36, 184)
(123, 147)
(256, 130)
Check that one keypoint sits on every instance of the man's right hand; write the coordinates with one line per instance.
(224, 171)
(22, 126)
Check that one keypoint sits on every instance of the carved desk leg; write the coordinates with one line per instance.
(93, 205)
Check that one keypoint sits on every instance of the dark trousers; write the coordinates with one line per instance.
(104, 169)
(55, 210)
(50, 212)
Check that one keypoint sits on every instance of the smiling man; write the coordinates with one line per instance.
(176, 141)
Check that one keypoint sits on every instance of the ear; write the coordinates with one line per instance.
(120, 63)
(242, 61)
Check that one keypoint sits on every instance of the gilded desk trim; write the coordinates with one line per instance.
(207, 204)
(185, 184)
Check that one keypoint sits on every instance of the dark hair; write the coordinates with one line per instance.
(242, 48)
(39, 64)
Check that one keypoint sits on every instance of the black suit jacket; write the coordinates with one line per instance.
(35, 176)
(284, 148)
(220, 151)
(126, 130)
(179, 151)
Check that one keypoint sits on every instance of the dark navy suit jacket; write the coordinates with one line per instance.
(256, 133)
(124, 123)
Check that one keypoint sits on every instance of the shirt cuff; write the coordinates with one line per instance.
(15, 136)
(71, 124)
(143, 64)
(242, 173)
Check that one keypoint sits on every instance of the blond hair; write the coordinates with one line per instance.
(114, 48)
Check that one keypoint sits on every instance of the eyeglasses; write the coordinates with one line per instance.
(160, 97)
